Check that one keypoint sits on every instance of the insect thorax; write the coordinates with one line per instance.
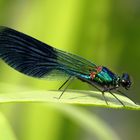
(107, 78)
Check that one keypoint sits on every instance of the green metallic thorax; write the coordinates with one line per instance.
(106, 77)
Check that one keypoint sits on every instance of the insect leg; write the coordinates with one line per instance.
(115, 88)
(70, 81)
(125, 95)
(116, 98)
(104, 97)
(103, 93)
(65, 82)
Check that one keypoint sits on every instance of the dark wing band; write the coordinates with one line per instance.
(26, 54)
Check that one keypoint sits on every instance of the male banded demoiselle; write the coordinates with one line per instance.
(37, 59)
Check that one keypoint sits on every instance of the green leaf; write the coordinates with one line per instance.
(92, 98)
(6, 132)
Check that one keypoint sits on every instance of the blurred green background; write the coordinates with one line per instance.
(106, 32)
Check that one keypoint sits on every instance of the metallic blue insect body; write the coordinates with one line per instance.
(37, 59)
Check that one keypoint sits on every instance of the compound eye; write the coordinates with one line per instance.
(126, 82)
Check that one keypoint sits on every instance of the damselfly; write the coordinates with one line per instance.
(37, 59)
